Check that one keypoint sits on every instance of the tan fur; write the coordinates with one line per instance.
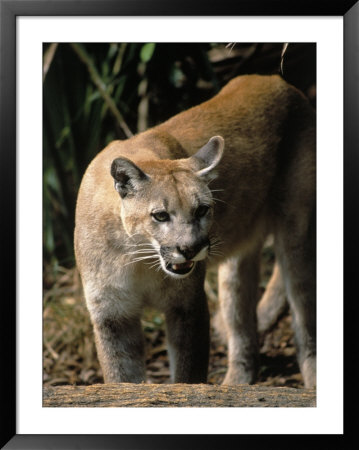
(264, 182)
(273, 303)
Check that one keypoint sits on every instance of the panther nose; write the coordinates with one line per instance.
(187, 252)
(192, 251)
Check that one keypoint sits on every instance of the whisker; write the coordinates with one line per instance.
(128, 263)
(215, 239)
(156, 265)
(216, 243)
(138, 245)
(219, 200)
(144, 257)
(141, 252)
(216, 254)
(142, 248)
(139, 259)
(148, 263)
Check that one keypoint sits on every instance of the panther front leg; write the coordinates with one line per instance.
(187, 323)
(118, 335)
(120, 349)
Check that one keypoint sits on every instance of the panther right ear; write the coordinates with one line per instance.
(208, 157)
(128, 177)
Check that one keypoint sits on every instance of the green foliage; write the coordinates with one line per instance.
(147, 52)
(91, 96)
(95, 93)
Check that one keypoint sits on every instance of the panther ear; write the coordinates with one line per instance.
(207, 157)
(128, 177)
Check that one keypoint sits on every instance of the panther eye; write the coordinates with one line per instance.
(201, 211)
(161, 216)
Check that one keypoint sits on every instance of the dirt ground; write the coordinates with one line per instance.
(69, 355)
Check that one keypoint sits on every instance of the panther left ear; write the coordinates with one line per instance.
(128, 177)
(208, 157)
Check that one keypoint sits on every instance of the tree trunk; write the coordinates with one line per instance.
(176, 395)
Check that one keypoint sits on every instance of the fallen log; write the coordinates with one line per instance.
(176, 395)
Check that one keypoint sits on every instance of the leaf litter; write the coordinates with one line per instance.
(69, 353)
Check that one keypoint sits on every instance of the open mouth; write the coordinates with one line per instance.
(180, 269)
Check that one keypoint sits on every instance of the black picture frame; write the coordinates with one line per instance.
(9, 10)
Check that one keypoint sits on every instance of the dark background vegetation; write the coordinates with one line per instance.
(95, 93)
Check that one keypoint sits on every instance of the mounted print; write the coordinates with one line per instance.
(174, 201)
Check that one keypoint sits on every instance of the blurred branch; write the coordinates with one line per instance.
(48, 57)
(285, 46)
(143, 106)
(118, 63)
(95, 77)
(230, 46)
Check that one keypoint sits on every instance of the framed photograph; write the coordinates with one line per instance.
(31, 34)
